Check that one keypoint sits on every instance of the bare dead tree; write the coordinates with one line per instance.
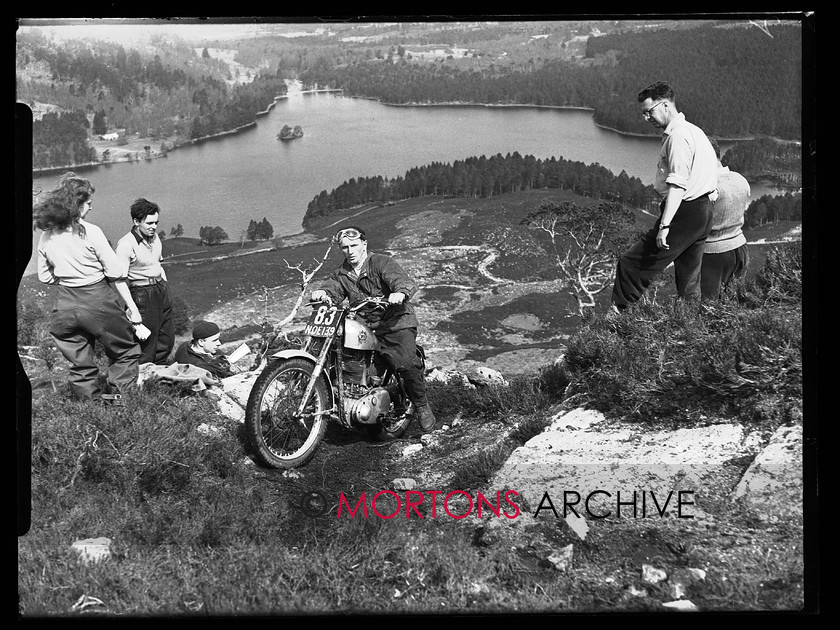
(586, 242)
(306, 275)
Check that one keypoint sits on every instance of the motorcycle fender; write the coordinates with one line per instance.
(291, 354)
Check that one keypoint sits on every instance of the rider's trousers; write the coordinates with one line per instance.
(397, 349)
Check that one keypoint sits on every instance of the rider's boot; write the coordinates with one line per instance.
(426, 418)
(415, 387)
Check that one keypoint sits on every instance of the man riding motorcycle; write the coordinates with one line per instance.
(364, 275)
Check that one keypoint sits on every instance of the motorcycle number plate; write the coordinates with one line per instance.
(322, 322)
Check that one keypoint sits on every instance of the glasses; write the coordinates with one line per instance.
(646, 113)
(349, 233)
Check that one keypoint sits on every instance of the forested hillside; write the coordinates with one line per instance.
(766, 159)
(727, 79)
(732, 81)
(485, 177)
(768, 209)
(727, 75)
(90, 81)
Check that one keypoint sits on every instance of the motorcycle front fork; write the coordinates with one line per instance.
(316, 374)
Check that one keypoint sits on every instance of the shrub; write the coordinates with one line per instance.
(682, 361)
(524, 395)
(477, 470)
(778, 281)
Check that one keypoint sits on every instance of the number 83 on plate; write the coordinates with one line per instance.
(322, 322)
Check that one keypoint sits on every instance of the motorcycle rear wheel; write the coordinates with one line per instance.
(278, 436)
(397, 427)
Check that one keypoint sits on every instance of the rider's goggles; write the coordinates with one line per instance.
(351, 233)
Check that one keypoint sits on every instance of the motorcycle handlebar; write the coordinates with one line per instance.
(376, 301)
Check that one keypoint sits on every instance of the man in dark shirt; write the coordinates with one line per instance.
(201, 351)
(364, 275)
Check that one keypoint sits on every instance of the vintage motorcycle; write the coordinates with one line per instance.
(332, 377)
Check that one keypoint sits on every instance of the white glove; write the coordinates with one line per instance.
(396, 298)
(320, 295)
(141, 332)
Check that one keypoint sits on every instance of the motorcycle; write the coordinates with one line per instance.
(332, 377)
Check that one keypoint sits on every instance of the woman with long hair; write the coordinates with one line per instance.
(75, 255)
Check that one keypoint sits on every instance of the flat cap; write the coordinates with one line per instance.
(203, 329)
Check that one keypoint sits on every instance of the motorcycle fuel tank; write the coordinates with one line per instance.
(358, 336)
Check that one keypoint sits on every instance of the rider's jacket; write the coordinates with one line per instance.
(379, 276)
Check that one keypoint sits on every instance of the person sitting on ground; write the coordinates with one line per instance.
(201, 350)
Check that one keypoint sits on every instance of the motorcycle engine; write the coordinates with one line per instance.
(368, 408)
(357, 366)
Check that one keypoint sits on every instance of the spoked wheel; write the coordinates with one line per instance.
(280, 437)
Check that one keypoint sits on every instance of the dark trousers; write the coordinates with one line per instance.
(156, 310)
(80, 317)
(397, 349)
(644, 260)
(720, 269)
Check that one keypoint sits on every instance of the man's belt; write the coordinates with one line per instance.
(145, 282)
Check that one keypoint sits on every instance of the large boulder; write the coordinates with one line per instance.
(590, 465)
(484, 376)
(772, 485)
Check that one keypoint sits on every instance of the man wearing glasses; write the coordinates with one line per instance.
(364, 275)
(686, 180)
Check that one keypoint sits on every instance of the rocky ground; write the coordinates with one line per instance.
(743, 489)
(711, 503)
(453, 279)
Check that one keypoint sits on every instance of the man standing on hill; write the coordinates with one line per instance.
(725, 255)
(377, 275)
(141, 251)
(686, 180)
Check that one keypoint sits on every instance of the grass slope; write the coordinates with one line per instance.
(198, 530)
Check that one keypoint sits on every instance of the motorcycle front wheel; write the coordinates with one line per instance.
(280, 437)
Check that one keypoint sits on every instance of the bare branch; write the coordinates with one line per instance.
(306, 278)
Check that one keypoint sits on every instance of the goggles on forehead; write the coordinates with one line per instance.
(351, 233)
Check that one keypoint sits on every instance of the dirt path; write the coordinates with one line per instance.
(482, 267)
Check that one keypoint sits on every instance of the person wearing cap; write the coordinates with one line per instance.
(686, 180)
(725, 255)
(366, 274)
(201, 350)
(142, 252)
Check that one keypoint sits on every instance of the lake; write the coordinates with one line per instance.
(230, 180)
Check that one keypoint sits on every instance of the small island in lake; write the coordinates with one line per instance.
(287, 133)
